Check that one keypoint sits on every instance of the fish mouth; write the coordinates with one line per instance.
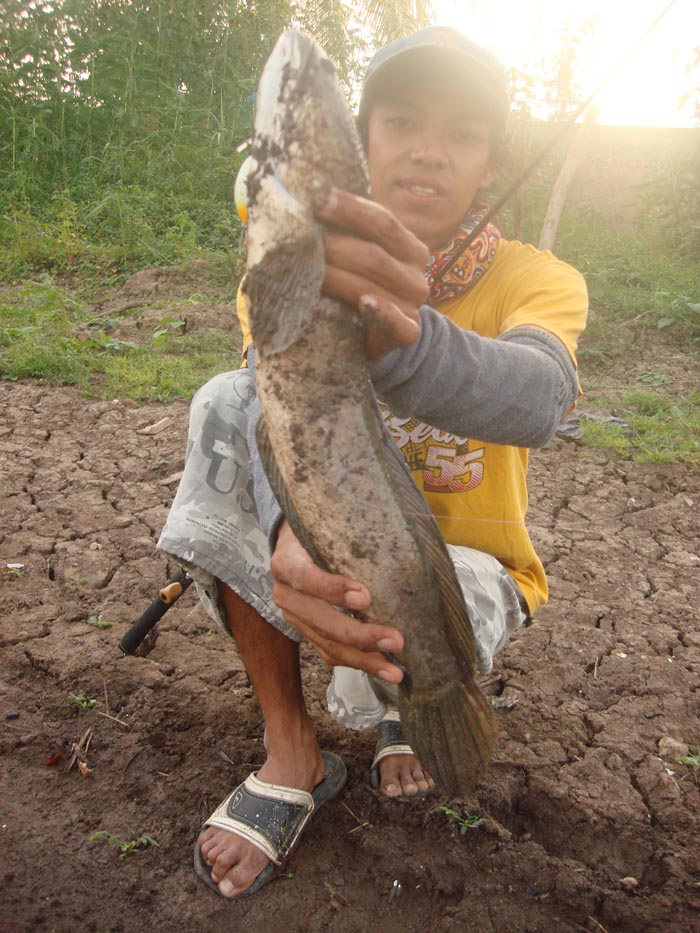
(422, 189)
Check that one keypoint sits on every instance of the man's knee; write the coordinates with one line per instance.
(218, 431)
(227, 394)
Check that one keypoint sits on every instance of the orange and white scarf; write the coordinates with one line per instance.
(448, 277)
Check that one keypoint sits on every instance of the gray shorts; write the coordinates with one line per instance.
(213, 530)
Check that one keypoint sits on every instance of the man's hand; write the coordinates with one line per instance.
(377, 265)
(311, 599)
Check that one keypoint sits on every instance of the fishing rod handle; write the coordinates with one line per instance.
(169, 595)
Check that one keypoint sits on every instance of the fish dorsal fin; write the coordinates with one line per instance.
(274, 476)
(458, 629)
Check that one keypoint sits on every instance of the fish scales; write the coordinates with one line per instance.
(342, 484)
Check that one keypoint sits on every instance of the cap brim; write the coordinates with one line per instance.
(450, 62)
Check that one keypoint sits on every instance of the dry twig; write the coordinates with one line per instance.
(80, 749)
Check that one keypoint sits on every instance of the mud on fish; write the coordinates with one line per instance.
(342, 484)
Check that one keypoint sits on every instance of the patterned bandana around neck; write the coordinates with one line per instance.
(470, 266)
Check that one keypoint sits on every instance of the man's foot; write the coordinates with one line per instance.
(403, 776)
(235, 862)
(395, 771)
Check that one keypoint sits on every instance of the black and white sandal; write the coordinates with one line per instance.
(271, 817)
(390, 741)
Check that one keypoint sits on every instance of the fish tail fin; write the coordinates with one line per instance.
(453, 736)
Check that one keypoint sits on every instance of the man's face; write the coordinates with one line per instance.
(428, 154)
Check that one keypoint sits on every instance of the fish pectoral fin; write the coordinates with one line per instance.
(283, 289)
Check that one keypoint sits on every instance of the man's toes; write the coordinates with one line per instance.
(398, 781)
(239, 877)
(422, 780)
(391, 789)
(408, 785)
(231, 885)
(207, 841)
(404, 777)
(222, 860)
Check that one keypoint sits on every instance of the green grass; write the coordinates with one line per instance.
(638, 287)
(51, 331)
(125, 228)
(663, 423)
(47, 332)
(632, 278)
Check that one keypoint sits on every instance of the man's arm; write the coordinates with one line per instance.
(512, 390)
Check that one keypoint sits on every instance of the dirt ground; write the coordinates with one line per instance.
(591, 823)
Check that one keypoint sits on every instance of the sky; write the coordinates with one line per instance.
(647, 88)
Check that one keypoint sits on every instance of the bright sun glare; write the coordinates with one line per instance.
(646, 90)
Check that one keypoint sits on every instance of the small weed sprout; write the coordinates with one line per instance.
(693, 761)
(464, 819)
(655, 378)
(336, 898)
(76, 579)
(83, 702)
(125, 848)
(98, 622)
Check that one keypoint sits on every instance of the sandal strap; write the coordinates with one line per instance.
(390, 738)
(269, 816)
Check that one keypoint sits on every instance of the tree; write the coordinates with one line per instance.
(124, 114)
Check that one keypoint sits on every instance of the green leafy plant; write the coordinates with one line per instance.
(98, 622)
(693, 762)
(655, 379)
(83, 702)
(125, 848)
(169, 328)
(464, 820)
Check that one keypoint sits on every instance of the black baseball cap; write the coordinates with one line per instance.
(476, 65)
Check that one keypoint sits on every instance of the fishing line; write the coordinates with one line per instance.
(565, 525)
(510, 191)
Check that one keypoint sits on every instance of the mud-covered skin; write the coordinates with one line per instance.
(343, 486)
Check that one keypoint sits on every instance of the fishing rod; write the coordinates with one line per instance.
(547, 147)
(169, 595)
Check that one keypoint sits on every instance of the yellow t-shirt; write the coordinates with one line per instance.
(242, 312)
(476, 490)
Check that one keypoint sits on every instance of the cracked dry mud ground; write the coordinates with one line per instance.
(585, 790)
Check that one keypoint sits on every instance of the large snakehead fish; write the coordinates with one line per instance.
(342, 484)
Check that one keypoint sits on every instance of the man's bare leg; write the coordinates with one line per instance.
(293, 755)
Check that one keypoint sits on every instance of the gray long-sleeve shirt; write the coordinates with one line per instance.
(510, 390)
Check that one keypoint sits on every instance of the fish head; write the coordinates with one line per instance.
(304, 140)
